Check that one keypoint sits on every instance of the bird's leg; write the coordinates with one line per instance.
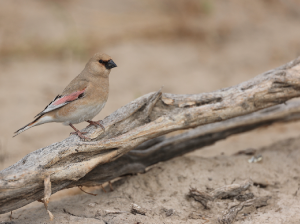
(96, 124)
(79, 133)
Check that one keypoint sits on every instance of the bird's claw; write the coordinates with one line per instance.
(96, 124)
(80, 135)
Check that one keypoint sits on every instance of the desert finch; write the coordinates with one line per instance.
(82, 99)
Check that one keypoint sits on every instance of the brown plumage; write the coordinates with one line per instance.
(82, 99)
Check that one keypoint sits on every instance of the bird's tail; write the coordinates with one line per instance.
(36, 122)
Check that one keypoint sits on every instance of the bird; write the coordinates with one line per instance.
(81, 100)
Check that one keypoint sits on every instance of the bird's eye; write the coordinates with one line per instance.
(100, 61)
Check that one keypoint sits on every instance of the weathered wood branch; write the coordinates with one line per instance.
(227, 191)
(165, 148)
(71, 162)
(230, 215)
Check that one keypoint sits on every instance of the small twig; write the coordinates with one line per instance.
(233, 211)
(108, 212)
(231, 190)
(47, 195)
(103, 189)
(110, 186)
(80, 187)
(69, 213)
(201, 197)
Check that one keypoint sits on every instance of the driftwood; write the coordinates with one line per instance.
(140, 125)
(230, 215)
(227, 191)
(232, 191)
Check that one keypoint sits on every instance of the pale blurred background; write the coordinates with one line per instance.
(187, 46)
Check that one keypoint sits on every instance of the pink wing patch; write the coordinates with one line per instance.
(60, 101)
(68, 98)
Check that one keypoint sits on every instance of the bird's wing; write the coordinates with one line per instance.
(76, 84)
(62, 100)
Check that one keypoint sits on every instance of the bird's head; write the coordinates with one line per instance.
(100, 64)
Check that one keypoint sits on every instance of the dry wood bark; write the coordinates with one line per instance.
(232, 191)
(73, 162)
(227, 191)
(164, 148)
(230, 215)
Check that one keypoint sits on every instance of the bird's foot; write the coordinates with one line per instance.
(96, 124)
(80, 134)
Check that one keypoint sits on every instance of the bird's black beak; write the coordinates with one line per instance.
(110, 64)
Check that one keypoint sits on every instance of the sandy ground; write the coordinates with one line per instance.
(163, 192)
(226, 44)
